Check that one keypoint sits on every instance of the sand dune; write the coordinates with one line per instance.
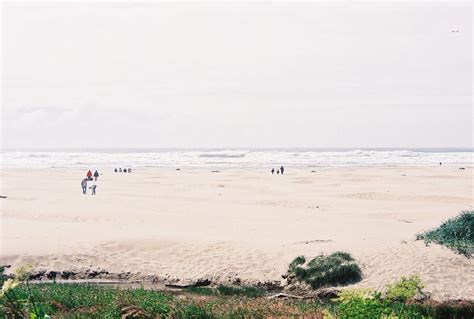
(238, 224)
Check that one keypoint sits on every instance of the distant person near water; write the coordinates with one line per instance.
(89, 175)
(125, 170)
(282, 169)
(96, 175)
(84, 186)
(273, 171)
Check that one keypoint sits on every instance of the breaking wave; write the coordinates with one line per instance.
(223, 155)
(240, 158)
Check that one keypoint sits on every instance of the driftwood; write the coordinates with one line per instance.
(283, 295)
(187, 284)
(3, 196)
(133, 312)
(327, 293)
(323, 293)
(179, 286)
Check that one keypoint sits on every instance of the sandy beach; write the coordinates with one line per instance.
(243, 224)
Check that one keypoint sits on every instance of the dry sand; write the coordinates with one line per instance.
(238, 223)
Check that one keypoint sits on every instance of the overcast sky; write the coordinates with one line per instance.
(237, 74)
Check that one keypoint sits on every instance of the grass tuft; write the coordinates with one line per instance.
(456, 233)
(300, 260)
(338, 268)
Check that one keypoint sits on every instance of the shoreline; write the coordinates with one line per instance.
(256, 167)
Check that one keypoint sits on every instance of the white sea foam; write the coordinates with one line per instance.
(242, 157)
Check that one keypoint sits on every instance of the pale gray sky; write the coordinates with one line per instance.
(344, 74)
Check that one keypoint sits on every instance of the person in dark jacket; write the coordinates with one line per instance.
(84, 186)
(282, 169)
(96, 175)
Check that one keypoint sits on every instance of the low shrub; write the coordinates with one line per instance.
(367, 303)
(404, 289)
(397, 303)
(456, 233)
(360, 304)
(338, 268)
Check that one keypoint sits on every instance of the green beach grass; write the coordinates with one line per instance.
(22, 299)
(93, 301)
(338, 268)
(456, 233)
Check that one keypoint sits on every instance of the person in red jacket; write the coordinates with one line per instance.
(89, 175)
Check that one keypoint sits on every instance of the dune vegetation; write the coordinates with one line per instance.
(456, 233)
(338, 268)
(22, 299)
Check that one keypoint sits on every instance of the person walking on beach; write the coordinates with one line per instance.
(96, 175)
(89, 175)
(93, 187)
(273, 171)
(84, 186)
(282, 169)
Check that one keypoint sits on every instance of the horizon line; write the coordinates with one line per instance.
(243, 148)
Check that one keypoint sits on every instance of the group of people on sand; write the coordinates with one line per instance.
(90, 178)
(125, 170)
(278, 171)
(89, 175)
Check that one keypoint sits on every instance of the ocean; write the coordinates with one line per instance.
(134, 158)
